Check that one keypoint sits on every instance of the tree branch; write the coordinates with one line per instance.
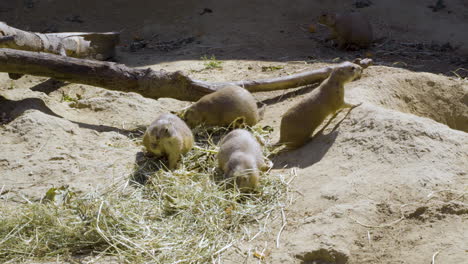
(148, 83)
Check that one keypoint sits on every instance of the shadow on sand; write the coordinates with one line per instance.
(307, 155)
(11, 109)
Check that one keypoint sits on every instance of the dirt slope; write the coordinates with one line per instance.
(387, 186)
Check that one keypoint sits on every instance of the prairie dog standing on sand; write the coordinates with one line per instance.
(300, 121)
(240, 157)
(351, 30)
(222, 107)
(169, 136)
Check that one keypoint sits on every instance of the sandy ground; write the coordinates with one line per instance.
(387, 186)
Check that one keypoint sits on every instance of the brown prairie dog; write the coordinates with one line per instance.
(169, 136)
(351, 30)
(240, 158)
(223, 107)
(301, 120)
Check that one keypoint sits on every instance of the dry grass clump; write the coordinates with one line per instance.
(184, 216)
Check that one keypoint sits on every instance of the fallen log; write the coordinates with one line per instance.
(90, 45)
(147, 82)
(109, 75)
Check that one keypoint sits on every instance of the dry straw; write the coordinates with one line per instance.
(158, 216)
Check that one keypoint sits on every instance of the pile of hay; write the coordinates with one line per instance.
(183, 216)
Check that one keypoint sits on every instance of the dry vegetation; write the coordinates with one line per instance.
(160, 216)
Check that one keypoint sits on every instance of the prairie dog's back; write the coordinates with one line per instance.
(223, 107)
(239, 140)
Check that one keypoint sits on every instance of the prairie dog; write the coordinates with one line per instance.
(169, 136)
(240, 158)
(300, 121)
(351, 30)
(222, 107)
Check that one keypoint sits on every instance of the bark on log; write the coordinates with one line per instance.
(109, 75)
(100, 46)
(148, 83)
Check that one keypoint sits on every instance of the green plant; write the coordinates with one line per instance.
(211, 62)
(67, 98)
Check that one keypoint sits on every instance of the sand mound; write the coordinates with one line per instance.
(442, 99)
(40, 151)
(377, 167)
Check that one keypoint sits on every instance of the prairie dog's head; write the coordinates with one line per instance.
(192, 116)
(243, 171)
(327, 18)
(346, 72)
(156, 135)
(246, 180)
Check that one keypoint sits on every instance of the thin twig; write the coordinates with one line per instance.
(25, 198)
(281, 229)
(224, 248)
(378, 226)
(294, 173)
(40, 148)
(434, 257)
(384, 225)
(455, 72)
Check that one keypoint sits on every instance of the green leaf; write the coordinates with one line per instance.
(58, 196)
